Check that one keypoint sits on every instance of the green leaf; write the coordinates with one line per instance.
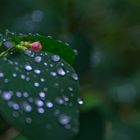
(50, 45)
(38, 95)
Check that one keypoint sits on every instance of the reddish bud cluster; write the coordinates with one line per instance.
(36, 46)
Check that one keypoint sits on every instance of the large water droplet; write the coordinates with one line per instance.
(7, 95)
(61, 71)
(55, 58)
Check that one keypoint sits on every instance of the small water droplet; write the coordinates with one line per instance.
(38, 59)
(28, 68)
(39, 103)
(59, 100)
(28, 52)
(25, 94)
(45, 63)
(36, 84)
(15, 114)
(49, 104)
(27, 107)
(64, 119)
(22, 77)
(42, 80)
(37, 71)
(28, 120)
(18, 94)
(1, 75)
(41, 110)
(61, 71)
(53, 73)
(46, 89)
(55, 58)
(14, 75)
(42, 94)
(6, 80)
(80, 101)
(70, 89)
(75, 76)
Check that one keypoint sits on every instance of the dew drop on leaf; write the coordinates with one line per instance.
(55, 58)
(28, 68)
(61, 71)
(38, 59)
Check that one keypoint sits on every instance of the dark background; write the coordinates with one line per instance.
(106, 34)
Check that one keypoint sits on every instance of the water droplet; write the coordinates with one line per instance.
(37, 71)
(75, 76)
(6, 80)
(61, 71)
(49, 104)
(28, 120)
(59, 100)
(39, 103)
(15, 114)
(38, 59)
(70, 89)
(80, 101)
(45, 63)
(65, 98)
(7, 95)
(42, 80)
(28, 67)
(15, 106)
(41, 110)
(22, 77)
(25, 94)
(28, 52)
(18, 94)
(14, 75)
(55, 58)
(1, 75)
(53, 73)
(46, 89)
(8, 44)
(27, 107)
(42, 94)
(64, 119)
(36, 84)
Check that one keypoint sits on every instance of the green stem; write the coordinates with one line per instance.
(6, 52)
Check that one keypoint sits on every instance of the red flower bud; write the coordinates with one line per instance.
(36, 46)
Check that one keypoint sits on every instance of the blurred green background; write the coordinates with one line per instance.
(106, 34)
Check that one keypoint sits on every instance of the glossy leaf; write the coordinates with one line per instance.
(38, 95)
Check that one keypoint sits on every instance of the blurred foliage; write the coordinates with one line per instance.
(106, 35)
